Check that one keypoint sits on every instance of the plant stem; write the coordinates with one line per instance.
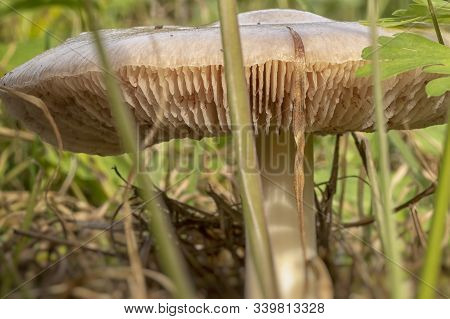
(432, 266)
(169, 254)
(244, 141)
(385, 217)
(435, 22)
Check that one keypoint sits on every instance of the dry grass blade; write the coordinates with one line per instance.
(137, 276)
(8, 133)
(37, 102)
(418, 227)
(410, 202)
(299, 127)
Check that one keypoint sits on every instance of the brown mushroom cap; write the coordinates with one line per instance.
(174, 77)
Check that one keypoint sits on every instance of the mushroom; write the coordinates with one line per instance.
(299, 69)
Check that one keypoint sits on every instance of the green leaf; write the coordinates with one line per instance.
(438, 87)
(417, 12)
(438, 69)
(406, 52)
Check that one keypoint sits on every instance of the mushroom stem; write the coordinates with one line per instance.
(276, 152)
(318, 283)
(309, 206)
(299, 271)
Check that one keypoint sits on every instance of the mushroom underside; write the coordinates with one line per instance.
(191, 102)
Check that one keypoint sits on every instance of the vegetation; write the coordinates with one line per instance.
(72, 226)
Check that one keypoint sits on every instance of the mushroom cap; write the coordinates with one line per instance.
(173, 79)
(277, 16)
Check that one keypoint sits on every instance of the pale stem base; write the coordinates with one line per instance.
(295, 278)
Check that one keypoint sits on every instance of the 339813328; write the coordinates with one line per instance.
(290, 307)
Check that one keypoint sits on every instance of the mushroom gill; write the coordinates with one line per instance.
(174, 77)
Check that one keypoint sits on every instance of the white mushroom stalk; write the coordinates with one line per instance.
(299, 70)
(296, 265)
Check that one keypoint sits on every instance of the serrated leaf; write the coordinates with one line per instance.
(406, 52)
(418, 12)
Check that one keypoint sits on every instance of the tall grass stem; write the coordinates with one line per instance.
(167, 246)
(432, 265)
(384, 216)
(433, 255)
(244, 140)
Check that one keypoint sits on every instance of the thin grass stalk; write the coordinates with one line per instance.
(384, 211)
(136, 280)
(168, 251)
(432, 265)
(435, 22)
(244, 141)
(307, 5)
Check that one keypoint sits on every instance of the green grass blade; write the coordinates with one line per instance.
(169, 254)
(384, 214)
(250, 182)
(408, 157)
(432, 265)
(431, 268)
